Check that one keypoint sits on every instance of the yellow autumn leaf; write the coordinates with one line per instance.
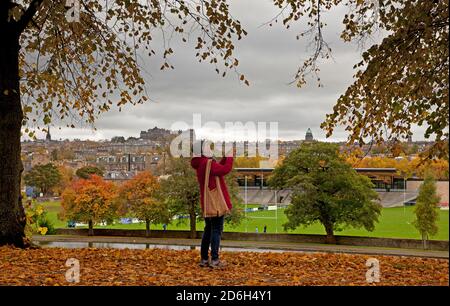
(42, 230)
(39, 210)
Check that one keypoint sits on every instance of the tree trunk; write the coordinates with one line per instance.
(330, 239)
(193, 223)
(147, 228)
(424, 241)
(12, 216)
(91, 228)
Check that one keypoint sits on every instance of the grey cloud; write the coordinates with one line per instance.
(269, 57)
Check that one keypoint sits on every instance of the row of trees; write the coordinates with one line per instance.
(48, 177)
(406, 166)
(152, 200)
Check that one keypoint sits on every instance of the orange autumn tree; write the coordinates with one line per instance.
(141, 198)
(248, 162)
(89, 200)
(439, 168)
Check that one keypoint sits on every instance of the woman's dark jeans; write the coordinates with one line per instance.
(211, 236)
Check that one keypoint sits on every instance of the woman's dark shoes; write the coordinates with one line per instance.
(217, 264)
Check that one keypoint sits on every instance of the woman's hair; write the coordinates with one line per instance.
(198, 150)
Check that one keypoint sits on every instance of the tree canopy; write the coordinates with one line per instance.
(43, 177)
(86, 171)
(140, 197)
(76, 69)
(80, 69)
(426, 209)
(401, 82)
(89, 200)
(181, 190)
(325, 189)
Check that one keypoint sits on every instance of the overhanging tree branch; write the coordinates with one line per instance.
(27, 17)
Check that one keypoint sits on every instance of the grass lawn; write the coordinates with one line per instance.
(53, 208)
(393, 223)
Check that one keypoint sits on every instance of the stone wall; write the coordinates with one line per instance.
(438, 245)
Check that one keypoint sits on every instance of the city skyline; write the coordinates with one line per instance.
(59, 134)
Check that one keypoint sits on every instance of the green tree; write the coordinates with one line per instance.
(43, 177)
(181, 191)
(236, 215)
(326, 189)
(87, 171)
(426, 209)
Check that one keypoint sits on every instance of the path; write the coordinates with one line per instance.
(262, 245)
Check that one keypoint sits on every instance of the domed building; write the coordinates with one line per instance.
(309, 136)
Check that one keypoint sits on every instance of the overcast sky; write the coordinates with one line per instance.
(269, 57)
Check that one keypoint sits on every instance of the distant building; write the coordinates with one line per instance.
(155, 134)
(309, 135)
(35, 158)
(286, 147)
(127, 162)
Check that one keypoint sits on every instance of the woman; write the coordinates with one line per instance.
(213, 224)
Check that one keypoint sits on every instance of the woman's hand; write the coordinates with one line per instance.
(230, 152)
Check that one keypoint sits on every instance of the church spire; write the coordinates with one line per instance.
(48, 137)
